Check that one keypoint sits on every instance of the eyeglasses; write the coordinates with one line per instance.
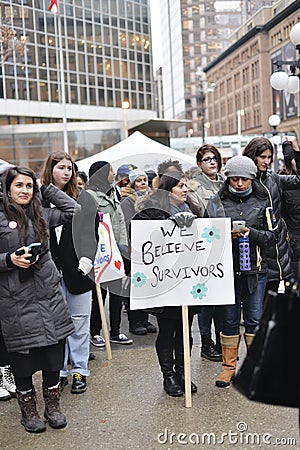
(209, 160)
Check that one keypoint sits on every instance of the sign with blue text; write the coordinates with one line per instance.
(108, 263)
(174, 266)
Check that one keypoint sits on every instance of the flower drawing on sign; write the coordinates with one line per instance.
(139, 279)
(210, 234)
(199, 291)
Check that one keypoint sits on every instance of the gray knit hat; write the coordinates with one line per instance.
(134, 174)
(240, 166)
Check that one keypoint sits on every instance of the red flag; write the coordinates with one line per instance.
(53, 6)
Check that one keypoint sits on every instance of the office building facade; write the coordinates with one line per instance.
(64, 76)
(194, 33)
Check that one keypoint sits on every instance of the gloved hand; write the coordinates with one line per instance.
(183, 219)
(85, 265)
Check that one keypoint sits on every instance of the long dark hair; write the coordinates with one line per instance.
(23, 214)
(47, 173)
(160, 196)
(256, 147)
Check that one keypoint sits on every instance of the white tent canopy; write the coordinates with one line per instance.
(140, 150)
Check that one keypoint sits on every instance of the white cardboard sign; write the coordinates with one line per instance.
(108, 263)
(174, 267)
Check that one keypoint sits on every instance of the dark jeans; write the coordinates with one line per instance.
(252, 306)
(207, 315)
(49, 379)
(115, 308)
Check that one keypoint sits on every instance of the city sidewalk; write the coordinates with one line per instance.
(126, 408)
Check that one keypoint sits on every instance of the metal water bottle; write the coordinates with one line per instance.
(244, 249)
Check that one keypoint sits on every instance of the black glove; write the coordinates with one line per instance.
(183, 219)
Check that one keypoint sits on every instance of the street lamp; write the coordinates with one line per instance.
(280, 80)
(274, 121)
(125, 107)
(240, 114)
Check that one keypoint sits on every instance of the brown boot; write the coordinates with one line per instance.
(53, 414)
(230, 348)
(248, 340)
(30, 417)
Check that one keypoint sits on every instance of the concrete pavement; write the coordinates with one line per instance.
(126, 408)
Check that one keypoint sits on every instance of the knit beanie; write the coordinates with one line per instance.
(98, 175)
(240, 166)
(134, 174)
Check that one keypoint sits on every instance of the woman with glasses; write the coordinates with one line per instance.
(204, 183)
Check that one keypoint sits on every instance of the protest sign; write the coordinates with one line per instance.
(108, 263)
(174, 266)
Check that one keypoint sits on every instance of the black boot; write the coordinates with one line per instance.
(53, 414)
(208, 349)
(179, 369)
(171, 385)
(30, 417)
(218, 345)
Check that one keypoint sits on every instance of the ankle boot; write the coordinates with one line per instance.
(171, 385)
(52, 413)
(230, 348)
(218, 345)
(248, 340)
(208, 349)
(30, 417)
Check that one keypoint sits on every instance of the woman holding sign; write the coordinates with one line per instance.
(169, 202)
(245, 201)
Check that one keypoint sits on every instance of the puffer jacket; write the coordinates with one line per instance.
(110, 204)
(201, 188)
(252, 209)
(279, 256)
(33, 310)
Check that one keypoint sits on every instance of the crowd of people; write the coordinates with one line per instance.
(49, 312)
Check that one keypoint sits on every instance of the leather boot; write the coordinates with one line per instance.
(230, 348)
(52, 413)
(248, 340)
(208, 349)
(179, 369)
(30, 417)
(171, 385)
(218, 345)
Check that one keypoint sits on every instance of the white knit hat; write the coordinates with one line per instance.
(240, 166)
(134, 174)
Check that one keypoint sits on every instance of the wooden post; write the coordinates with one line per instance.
(187, 357)
(104, 323)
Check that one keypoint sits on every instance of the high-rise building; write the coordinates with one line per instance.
(194, 33)
(71, 71)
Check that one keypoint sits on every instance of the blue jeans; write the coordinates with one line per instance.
(77, 348)
(252, 306)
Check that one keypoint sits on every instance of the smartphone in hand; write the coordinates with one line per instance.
(34, 249)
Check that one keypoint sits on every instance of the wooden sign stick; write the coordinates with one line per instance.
(104, 323)
(187, 357)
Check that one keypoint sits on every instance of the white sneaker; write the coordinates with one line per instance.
(4, 394)
(98, 341)
(8, 380)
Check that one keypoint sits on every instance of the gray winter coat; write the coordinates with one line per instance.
(33, 310)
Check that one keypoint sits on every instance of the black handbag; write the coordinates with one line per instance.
(269, 373)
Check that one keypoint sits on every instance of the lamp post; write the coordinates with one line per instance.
(280, 80)
(125, 107)
(240, 113)
(274, 121)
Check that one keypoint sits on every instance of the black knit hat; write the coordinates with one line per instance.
(98, 175)
(288, 154)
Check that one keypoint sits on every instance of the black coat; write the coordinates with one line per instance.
(252, 209)
(78, 238)
(33, 310)
(279, 256)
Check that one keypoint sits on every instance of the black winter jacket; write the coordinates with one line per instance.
(33, 310)
(252, 209)
(279, 255)
(78, 238)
